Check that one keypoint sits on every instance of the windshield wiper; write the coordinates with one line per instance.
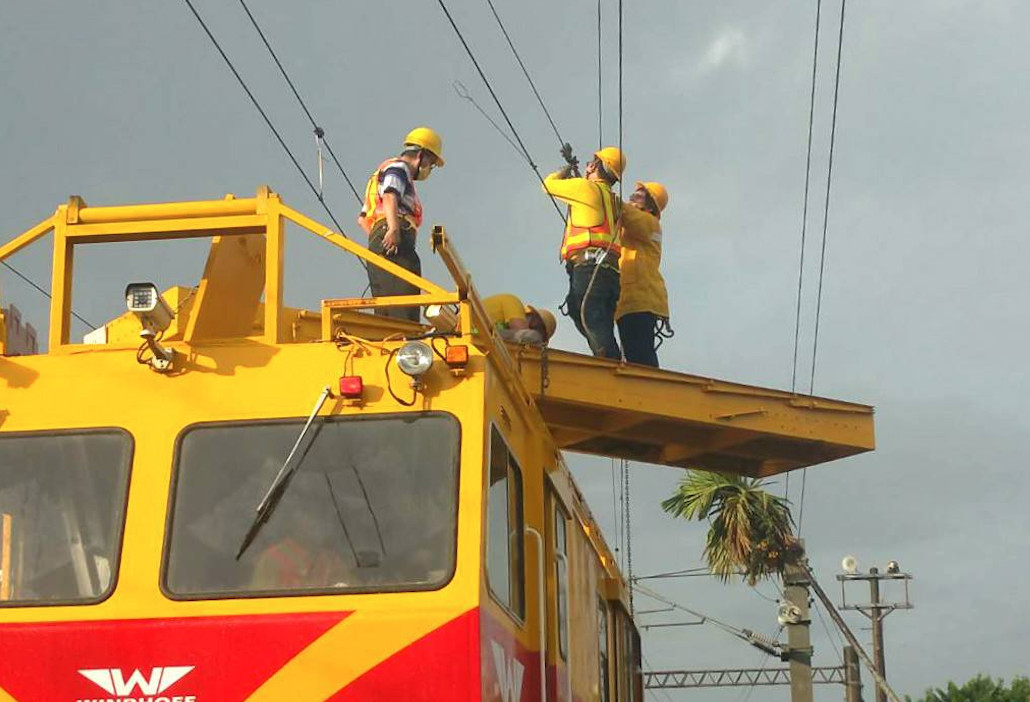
(275, 492)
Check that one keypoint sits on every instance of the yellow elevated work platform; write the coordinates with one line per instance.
(591, 405)
(601, 407)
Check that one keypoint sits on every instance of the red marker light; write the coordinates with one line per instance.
(351, 387)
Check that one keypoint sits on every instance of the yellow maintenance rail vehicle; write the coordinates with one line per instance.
(219, 498)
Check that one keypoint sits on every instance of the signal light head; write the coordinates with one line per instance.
(351, 387)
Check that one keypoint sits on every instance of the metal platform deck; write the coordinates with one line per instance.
(597, 406)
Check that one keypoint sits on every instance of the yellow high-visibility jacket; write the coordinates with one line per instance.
(593, 213)
(643, 288)
(503, 308)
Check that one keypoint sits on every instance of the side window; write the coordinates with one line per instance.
(561, 567)
(602, 648)
(62, 509)
(504, 548)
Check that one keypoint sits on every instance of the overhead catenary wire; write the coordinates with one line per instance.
(600, 111)
(804, 215)
(728, 628)
(497, 102)
(804, 207)
(43, 291)
(319, 132)
(826, 203)
(268, 122)
(525, 72)
(822, 255)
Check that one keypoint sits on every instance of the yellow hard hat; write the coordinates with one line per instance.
(613, 159)
(657, 192)
(428, 139)
(550, 323)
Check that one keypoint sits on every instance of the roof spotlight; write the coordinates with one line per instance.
(414, 358)
(143, 300)
(893, 568)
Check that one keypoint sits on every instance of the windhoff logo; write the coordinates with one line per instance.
(137, 687)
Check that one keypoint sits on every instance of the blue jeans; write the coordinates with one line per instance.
(597, 323)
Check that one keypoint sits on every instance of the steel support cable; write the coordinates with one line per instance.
(464, 94)
(629, 530)
(547, 113)
(804, 209)
(271, 126)
(620, 89)
(319, 132)
(500, 107)
(804, 216)
(600, 123)
(729, 628)
(822, 255)
(43, 291)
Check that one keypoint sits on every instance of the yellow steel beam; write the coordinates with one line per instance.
(27, 237)
(611, 409)
(61, 282)
(357, 303)
(275, 254)
(181, 228)
(360, 251)
(168, 210)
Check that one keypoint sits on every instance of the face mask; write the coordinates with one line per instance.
(423, 171)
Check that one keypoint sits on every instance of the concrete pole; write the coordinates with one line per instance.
(852, 676)
(799, 642)
(877, 620)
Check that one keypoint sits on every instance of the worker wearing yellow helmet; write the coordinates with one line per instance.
(392, 213)
(520, 323)
(590, 247)
(642, 314)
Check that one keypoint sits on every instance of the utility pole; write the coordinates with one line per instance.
(795, 616)
(852, 676)
(876, 615)
(876, 609)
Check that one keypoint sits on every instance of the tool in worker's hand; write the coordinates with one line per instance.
(566, 153)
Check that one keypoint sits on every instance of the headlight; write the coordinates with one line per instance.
(414, 358)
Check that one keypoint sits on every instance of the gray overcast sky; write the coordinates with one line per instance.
(923, 312)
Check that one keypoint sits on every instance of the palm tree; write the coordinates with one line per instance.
(750, 530)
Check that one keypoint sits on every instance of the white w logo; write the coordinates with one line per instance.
(113, 681)
(509, 674)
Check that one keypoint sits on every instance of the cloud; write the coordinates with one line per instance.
(729, 47)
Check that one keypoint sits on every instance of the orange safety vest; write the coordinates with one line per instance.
(604, 235)
(372, 209)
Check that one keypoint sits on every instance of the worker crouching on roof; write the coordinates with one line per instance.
(643, 310)
(590, 248)
(392, 213)
(520, 323)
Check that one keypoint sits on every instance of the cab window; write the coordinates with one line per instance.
(372, 507)
(504, 547)
(62, 512)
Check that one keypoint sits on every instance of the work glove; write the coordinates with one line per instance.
(566, 153)
(528, 336)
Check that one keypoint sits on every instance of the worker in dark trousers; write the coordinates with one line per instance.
(643, 311)
(590, 247)
(392, 213)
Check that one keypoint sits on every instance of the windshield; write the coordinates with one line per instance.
(371, 507)
(62, 508)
